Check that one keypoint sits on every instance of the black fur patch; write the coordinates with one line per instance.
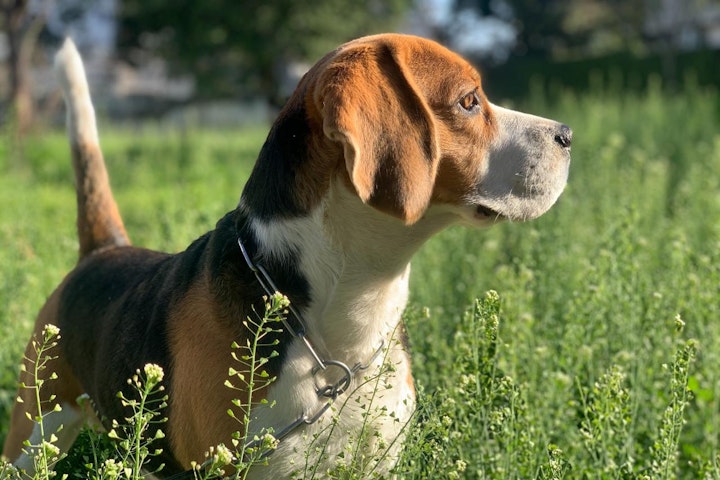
(112, 322)
(269, 192)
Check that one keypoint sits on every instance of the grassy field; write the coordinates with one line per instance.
(599, 356)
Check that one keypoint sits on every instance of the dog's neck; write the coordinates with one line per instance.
(358, 286)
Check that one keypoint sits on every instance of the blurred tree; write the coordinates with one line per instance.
(539, 25)
(562, 29)
(596, 27)
(227, 43)
(22, 30)
(482, 30)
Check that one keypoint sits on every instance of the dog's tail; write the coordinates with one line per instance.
(98, 219)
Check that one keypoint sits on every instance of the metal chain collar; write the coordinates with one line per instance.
(329, 391)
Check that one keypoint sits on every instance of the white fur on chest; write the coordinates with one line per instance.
(364, 422)
(361, 428)
(355, 317)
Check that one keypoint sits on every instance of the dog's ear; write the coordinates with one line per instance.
(371, 104)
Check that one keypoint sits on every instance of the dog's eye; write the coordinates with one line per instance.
(470, 102)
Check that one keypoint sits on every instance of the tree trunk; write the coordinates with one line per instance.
(22, 33)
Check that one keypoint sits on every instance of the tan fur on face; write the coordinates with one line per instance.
(383, 119)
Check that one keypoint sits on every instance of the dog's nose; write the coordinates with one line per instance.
(564, 136)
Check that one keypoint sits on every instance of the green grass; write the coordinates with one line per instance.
(600, 356)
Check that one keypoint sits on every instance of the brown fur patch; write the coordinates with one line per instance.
(371, 105)
(464, 143)
(383, 114)
(200, 346)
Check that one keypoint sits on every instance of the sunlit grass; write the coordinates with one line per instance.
(588, 371)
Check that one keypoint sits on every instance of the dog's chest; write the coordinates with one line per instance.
(353, 316)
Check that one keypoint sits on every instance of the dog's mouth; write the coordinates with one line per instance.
(483, 212)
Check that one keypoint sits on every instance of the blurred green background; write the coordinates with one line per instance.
(228, 62)
(605, 358)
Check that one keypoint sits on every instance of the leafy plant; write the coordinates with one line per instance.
(135, 436)
(45, 454)
(665, 448)
(249, 378)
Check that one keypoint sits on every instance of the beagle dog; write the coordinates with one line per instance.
(387, 140)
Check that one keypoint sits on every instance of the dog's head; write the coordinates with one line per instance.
(405, 123)
(416, 129)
